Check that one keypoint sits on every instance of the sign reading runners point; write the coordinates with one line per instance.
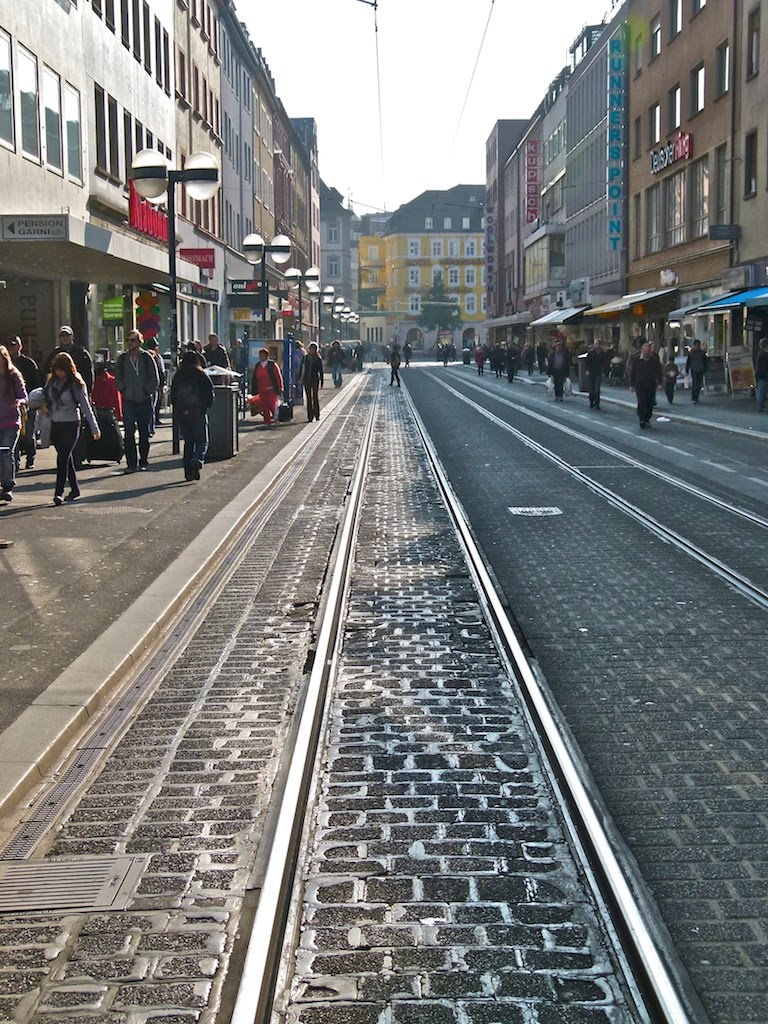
(38, 228)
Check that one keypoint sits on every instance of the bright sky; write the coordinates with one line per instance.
(323, 57)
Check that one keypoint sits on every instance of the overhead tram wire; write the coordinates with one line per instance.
(375, 5)
(472, 76)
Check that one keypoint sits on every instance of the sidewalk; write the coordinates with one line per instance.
(735, 413)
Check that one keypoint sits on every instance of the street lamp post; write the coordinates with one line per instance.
(327, 300)
(155, 181)
(296, 278)
(256, 249)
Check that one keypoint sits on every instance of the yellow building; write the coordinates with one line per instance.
(438, 233)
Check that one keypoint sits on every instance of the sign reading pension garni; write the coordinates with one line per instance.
(617, 127)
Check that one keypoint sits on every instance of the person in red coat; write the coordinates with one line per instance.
(105, 394)
(480, 358)
(267, 383)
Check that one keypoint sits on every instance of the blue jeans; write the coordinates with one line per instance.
(761, 391)
(9, 437)
(137, 416)
(194, 433)
(336, 370)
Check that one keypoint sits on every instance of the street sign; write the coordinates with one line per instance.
(243, 287)
(35, 228)
(248, 294)
(200, 257)
(724, 232)
(112, 311)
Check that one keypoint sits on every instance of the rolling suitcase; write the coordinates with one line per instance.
(110, 446)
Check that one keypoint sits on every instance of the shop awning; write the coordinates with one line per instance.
(750, 297)
(628, 301)
(508, 321)
(678, 314)
(559, 316)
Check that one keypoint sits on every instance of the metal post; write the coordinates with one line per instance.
(264, 295)
(173, 326)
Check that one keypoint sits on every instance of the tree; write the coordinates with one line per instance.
(438, 312)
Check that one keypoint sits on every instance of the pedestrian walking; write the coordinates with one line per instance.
(66, 397)
(32, 377)
(497, 359)
(13, 394)
(80, 356)
(335, 359)
(151, 345)
(394, 366)
(191, 397)
(312, 380)
(559, 368)
(479, 360)
(359, 354)
(761, 375)
(594, 365)
(407, 352)
(670, 373)
(215, 354)
(696, 365)
(645, 378)
(137, 381)
(511, 359)
(267, 383)
(528, 357)
(542, 356)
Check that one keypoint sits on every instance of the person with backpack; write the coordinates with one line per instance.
(394, 366)
(192, 396)
(267, 383)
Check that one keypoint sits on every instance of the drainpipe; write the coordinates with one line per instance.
(733, 254)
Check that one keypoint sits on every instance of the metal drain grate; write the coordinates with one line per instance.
(535, 510)
(68, 883)
(112, 510)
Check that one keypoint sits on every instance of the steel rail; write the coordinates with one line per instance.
(697, 492)
(737, 580)
(255, 994)
(657, 979)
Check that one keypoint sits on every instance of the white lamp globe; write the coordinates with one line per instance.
(280, 249)
(149, 171)
(253, 247)
(208, 185)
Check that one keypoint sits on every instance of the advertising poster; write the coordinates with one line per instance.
(741, 372)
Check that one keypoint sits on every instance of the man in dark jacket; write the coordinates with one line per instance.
(215, 354)
(645, 377)
(311, 375)
(80, 356)
(761, 375)
(593, 364)
(696, 365)
(559, 368)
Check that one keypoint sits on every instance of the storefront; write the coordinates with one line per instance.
(638, 315)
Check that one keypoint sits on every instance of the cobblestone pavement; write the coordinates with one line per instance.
(189, 784)
(660, 670)
(439, 886)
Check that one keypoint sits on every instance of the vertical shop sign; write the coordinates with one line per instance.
(617, 128)
(532, 183)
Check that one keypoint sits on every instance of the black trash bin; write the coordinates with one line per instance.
(223, 424)
(466, 356)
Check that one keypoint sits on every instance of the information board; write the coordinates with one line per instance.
(741, 372)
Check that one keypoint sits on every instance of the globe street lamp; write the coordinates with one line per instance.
(295, 278)
(327, 300)
(156, 181)
(256, 249)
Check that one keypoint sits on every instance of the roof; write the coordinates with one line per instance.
(627, 301)
(559, 316)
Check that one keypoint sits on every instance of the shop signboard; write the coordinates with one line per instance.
(715, 376)
(741, 372)
(112, 311)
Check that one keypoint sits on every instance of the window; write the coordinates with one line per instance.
(147, 38)
(54, 156)
(158, 52)
(470, 303)
(638, 55)
(675, 114)
(655, 38)
(465, 223)
(437, 247)
(470, 248)
(28, 101)
(181, 74)
(446, 223)
(413, 247)
(722, 69)
(333, 266)
(636, 224)
(166, 63)
(414, 304)
(698, 82)
(136, 30)
(414, 277)
(674, 209)
(109, 14)
(125, 23)
(74, 133)
(453, 247)
(427, 223)
(114, 148)
(96, 4)
(101, 129)
(654, 124)
(675, 18)
(753, 42)
(470, 277)
(750, 164)
(128, 138)
(437, 276)
(700, 198)
(698, 4)
(653, 219)
(453, 277)
(721, 185)
(333, 232)
(6, 91)
(637, 138)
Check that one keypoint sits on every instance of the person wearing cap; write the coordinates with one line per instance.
(137, 381)
(267, 383)
(81, 357)
(30, 371)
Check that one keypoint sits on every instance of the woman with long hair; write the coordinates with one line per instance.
(67, 400)
(12, 394)
(191, 397)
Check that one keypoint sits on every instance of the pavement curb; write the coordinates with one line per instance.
(38, 738)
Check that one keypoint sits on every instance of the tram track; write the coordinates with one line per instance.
(739, 581)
